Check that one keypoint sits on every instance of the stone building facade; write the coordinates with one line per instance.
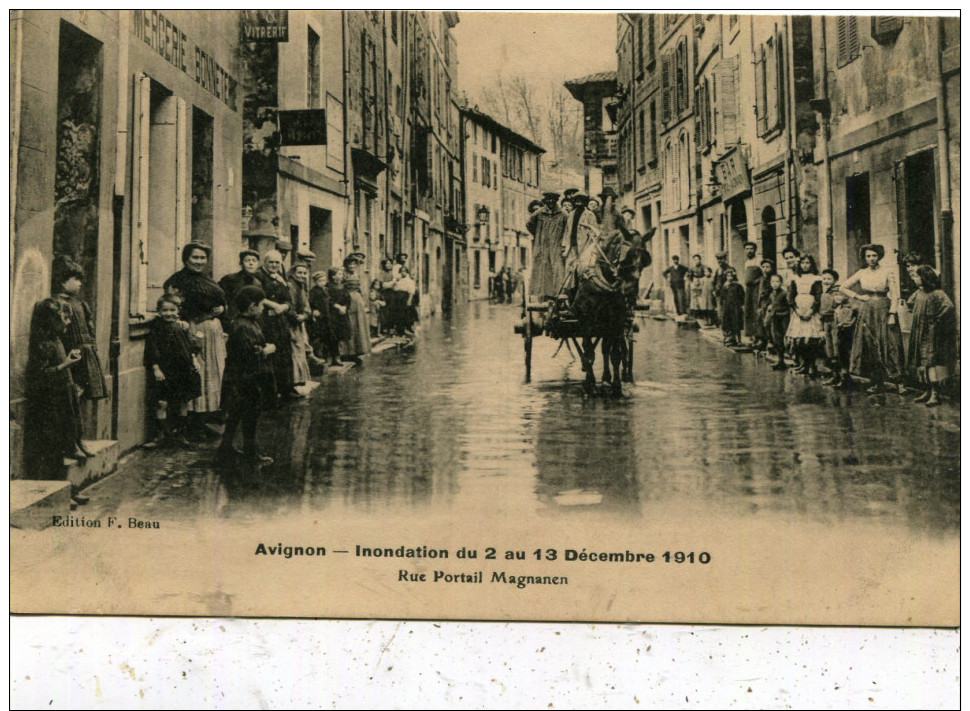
(820, 132)
(501, 173)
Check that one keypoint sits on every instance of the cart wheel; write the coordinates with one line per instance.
(527, 337)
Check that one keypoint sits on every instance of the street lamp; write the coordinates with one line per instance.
(483, 214)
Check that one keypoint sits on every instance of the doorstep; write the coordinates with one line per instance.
(34, 503)
(82, 473)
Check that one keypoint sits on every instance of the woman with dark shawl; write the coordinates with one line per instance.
(276, 321)
(202, 305)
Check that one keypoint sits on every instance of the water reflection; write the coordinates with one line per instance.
(584, 452)
(450, 423)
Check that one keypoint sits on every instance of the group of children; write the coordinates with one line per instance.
(810, 319)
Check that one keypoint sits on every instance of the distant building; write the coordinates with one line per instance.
(596, 92)
(501, 171)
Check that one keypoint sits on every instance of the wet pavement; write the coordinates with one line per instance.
(449, 423)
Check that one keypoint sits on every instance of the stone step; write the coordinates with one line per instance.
(83, 473)
(34, 503)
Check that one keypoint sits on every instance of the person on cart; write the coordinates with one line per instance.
(547, 225)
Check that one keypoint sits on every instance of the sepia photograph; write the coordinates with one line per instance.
(501, 316)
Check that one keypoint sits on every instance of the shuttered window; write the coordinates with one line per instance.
(665, 66)
(847, 38)
(652, 140)
(772, 84)
(683, 85)
(886, 27)
(760, 93)
(728, 101)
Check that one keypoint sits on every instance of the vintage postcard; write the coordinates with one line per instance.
(495, 316)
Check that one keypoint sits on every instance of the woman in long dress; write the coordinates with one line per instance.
(203, 303)
(805, 328)
(339, 303)
(359, 342)
(877, 344)
(301, 311)
(275, 323)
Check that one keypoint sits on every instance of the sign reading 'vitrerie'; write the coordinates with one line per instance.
(303, 127)
(264, 26)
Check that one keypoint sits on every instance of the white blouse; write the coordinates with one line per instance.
(880, 280)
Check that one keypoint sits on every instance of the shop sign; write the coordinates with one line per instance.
(264, 26)
(732, 175)
(303, 127)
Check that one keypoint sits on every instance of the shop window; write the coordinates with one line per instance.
(77, 177)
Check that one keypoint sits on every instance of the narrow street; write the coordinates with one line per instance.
(450, 423)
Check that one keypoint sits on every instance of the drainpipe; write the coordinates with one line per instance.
(790, 129)
(118, 207)
(825, 111)
(348, 171)
(943, 149)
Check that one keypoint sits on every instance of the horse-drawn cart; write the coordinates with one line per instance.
(597, 312)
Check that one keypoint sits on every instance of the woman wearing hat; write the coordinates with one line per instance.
(203, 303)
(877, 345)
(359, 342)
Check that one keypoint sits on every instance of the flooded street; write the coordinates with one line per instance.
(451, 424)
(810, 505)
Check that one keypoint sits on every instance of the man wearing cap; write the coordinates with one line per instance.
(629, 217)
(675, 274)
(306, 257)
(232, 283)
(752, 286)
(722, 268)
(547, 226)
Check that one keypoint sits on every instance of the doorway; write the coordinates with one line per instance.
(769, 235)
(858, 225)
(321, 236)
(916, 211)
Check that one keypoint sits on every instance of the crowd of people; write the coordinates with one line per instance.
(807, 319)
(567, 238)
(215, 351)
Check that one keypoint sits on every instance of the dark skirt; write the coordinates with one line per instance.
(276, 330)
(877, 348)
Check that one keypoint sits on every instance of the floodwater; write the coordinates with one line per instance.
(450, 424)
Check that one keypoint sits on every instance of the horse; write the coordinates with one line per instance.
(605, 298)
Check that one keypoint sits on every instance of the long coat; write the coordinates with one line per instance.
(548, 267)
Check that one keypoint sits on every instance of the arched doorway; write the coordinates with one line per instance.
(769, 235)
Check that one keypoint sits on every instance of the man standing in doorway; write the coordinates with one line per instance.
(752, 286)
(675, 274)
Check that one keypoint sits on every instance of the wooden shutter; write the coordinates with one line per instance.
(683, 84)
(886, 27)
(841, 38)
(729, 100)
(698, 118)
(665, 82)
(760, 98)
(852, 24)
(772, 84)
